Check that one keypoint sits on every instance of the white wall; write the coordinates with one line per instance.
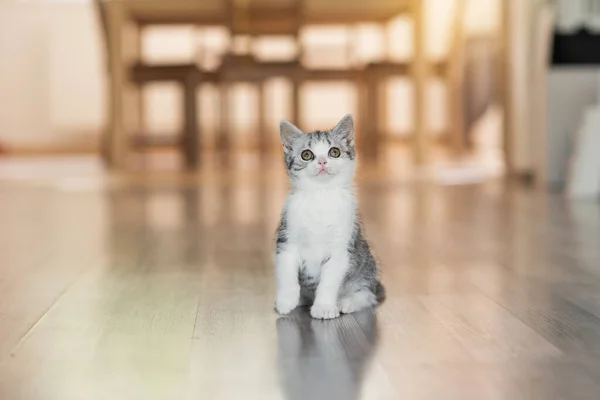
(24, 81)
(52, 72)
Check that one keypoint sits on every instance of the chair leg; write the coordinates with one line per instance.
(296, 112)
(372, 111)
(190, 142)
(140, 109)
(363, 135)
(105, 150)
(263, 142)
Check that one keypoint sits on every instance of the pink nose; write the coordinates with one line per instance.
(322, 161)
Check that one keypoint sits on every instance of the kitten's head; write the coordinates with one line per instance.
(320, 157)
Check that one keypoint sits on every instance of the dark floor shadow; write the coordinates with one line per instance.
(325, 359)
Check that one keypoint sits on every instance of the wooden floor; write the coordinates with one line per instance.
(163, 289)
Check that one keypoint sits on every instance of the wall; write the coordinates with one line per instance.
(50, 72)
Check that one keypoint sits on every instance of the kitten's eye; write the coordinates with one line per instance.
(334, 152)
(307, 155)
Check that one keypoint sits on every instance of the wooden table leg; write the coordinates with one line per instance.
(117, 141)
(191, 146)
(419, 72)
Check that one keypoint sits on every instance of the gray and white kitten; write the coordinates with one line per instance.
(322, 257)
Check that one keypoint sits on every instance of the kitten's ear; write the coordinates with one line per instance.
(345, 129)
(289, 133)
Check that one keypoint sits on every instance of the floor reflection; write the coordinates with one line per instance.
(325, 359)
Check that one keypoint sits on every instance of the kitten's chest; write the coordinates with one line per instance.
(320, 219)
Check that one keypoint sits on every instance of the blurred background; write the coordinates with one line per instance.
(428, 81)
(459, 85)
(141, 181)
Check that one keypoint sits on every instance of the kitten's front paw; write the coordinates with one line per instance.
(324, 311)
(287, 301)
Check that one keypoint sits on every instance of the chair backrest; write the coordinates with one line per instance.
(355, 11)
(265, 17)
(262, 18)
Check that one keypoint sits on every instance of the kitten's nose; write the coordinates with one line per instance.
(322, 160)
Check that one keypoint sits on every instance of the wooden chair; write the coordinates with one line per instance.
(375, 74)
(378, 72)
(260, 19)
(187, 76)
(353, 76)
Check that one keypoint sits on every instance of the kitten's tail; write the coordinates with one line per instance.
(380, 293)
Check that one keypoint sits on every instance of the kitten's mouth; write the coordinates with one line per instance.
(323, 172)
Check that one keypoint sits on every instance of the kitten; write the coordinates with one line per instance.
(322, 257)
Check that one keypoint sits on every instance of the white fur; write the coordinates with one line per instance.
(357, 301)
(321, 212)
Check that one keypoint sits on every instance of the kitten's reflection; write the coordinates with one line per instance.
(325, 359)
